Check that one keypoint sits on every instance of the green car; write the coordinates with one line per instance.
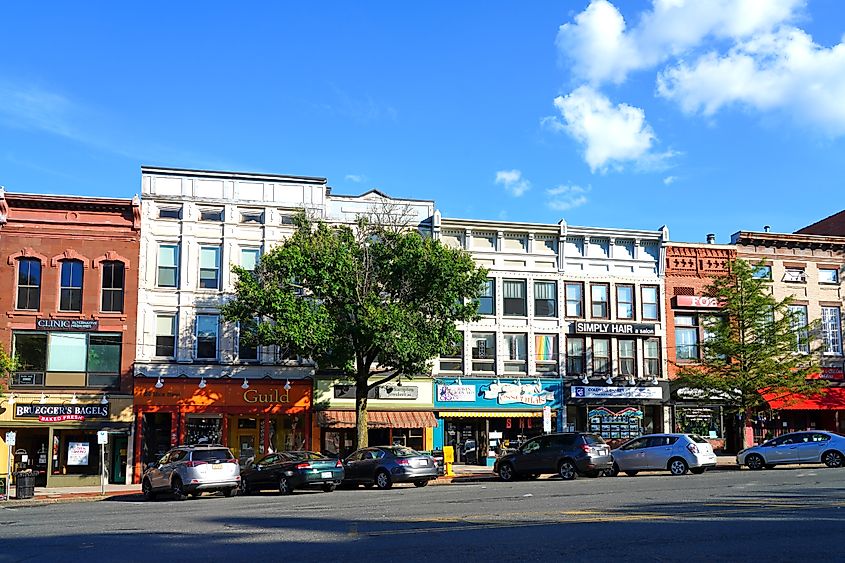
(287, 471)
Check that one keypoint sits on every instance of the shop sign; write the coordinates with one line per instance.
(67, 324)
(61, 413)
(526, 394)
(623, 329)
(77, 453)
(829, 373)
(588, 392)
(697, 301)
(269, 397)
(389, 392)
(456, 393)
(608, 416)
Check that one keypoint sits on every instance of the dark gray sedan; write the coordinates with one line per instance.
(384, 465)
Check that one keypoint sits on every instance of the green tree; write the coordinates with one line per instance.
(8, 364)
(752, 347)
(373, 300)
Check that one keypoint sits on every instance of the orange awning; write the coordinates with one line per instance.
(378, 419)
(832, 398)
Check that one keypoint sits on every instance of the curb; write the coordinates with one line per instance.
(62, 499)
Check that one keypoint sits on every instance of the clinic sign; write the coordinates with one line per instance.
(61, 413)
(596, 392)
(77, 325)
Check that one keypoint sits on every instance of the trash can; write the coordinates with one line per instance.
(438, 457)
(24, 484)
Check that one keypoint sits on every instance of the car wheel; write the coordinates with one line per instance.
(329, 487)
(631, 473)
(697, 470)
(832, 459)
(613, 471)
(755, 462)
(147, 490)
(678, 466)
(178, 489)
(285, 487)
(567, 470)
(229, 492)
(421, 483)
(506, 472)
(383, 480)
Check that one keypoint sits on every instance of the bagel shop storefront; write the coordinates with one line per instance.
(250, 417)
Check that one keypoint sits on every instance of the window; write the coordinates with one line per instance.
(798, 318)
(627, 358)
(831, 330)
(575, 356)
(483, 351)
(762, 272)
(29, 284)
(513, 292)
(252, 217)
(601, 356)
(168, 265)
(624, 301)
(545, 353)
(70, 359)
(210, 267)
(453, 359)
(794, 275)
(599, 298)
(516, 360)
(165, 336)
(487, 299)
(651, 357)
(30, 348)
(686, 338)
(211, 215)
(828, 275)
(545, 299)
(113, 279)
(70, 298)
(249, 258)
(169, 213)
(574, 299)
(651, 309)
(207, 330)
(247, 343)
(103, 360)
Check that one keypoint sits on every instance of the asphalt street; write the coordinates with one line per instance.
(776, 515)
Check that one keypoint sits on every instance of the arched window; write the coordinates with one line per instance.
(70, 298)
(113, 286)
(29, 284)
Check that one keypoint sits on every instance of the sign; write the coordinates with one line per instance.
(456, 393)
(829, 373)
(82, 325)
(622, 329)
(102, 437)
(267, 397)
(60, 413)
(77, 453)
(526, 394)
(391, 391)
(547, 419)
(698, 301)
(588, 392)
(11, 438)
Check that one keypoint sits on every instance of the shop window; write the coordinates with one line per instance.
(599, 298)
(612, 424)
(798, 321)
(545, 353)
(210, 267)
(703, 421)
(249, 258)
(831, 330)
(574, 299)
(545, 299)
(168, 265)
(453, 360)
(651, 306)
(66, 352)
(627, 358)
(207, 332)
(247, 343)
(165, 336)
(203, 430)
(575, 356)
(828, 275)
(686, 338)
(483, 352)
(30, 348)
(29, 284)
(70, 298)
(516, 360)
(113, 280)
(513, 296)
(487, 299)
(601, 356)
(651, 357)
(624, 301)
(76, 452)
(214, 215)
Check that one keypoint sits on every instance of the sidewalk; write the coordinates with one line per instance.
(54, 495)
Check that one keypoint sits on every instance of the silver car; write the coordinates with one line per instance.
(676, 453)
(797, 447)
(192, 470)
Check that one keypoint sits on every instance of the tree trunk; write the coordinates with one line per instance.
(746, 434)
(361, 411)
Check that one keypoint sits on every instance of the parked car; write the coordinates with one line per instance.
(192, 470)
(797, 447)
(287, 471)
(676, 453)
(569, 454)
(383, 466)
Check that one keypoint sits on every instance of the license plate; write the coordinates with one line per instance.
(326, 474)
(217, 466)
(422, 462)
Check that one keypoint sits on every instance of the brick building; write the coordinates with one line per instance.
(69, 265)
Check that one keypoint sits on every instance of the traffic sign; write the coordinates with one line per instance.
(11, 437)
(102, 437)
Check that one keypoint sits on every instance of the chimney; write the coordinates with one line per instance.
(711, 238)
(766, 228)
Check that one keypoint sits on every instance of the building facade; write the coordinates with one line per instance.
(70, 266)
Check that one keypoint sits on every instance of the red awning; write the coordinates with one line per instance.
(832, 398)
(378, 419)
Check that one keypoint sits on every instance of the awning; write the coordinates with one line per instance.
(492, 414)
(378, 419)
(832, 398)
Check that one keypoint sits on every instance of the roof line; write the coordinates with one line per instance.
(165, 171)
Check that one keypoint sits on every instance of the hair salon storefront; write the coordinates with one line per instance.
(251, 418)
(479, 417)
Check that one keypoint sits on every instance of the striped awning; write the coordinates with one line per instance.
(492, 414)
(378, 419)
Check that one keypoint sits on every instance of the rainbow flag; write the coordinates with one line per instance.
(544, 347)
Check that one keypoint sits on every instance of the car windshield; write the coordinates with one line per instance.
(212, 455)
(402, 451)
(593, 439)
(697, 439)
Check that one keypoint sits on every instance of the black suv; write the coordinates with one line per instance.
(568, 455)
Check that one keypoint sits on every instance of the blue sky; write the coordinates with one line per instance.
(710, 116)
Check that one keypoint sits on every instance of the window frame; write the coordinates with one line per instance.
(174, 324)
(249, 217)
(218, 260)
(632, 358)
(620, 302)
(523, 311)
(198, 338)
(449, 360)
(177, 256)
(579, 302)
(834, 281)
(106, 265)
(543, 364)
(828, 331)
(211, 214)
(70, 290)
(240, 347)
(28, 260)
(801, 331)
(693, 328)
(490, 284)
(521, 364)
(552, 301)
(572, 358)
(606, 303)
(489, 357)
(596, 358)
(644, 302)
(248, 249)
(168, 209)
(647, 369)
(108, 339)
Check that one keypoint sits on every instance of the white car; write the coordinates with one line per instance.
(676, 453)
(797, 447)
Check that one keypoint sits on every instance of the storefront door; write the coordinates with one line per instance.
(118, 451)
(247, 438)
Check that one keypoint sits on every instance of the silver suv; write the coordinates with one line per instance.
(192, 470)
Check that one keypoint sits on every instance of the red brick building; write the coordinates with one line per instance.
(68, 266)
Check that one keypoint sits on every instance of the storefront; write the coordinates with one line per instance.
(398, 412)
(695, 412)
(56, 438)
(791, 413)
(481, 417)
(251, 418)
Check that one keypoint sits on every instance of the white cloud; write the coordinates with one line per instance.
(669, 180)
(564, 197)
(357, 178)
(513, 182)
(611, 135)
